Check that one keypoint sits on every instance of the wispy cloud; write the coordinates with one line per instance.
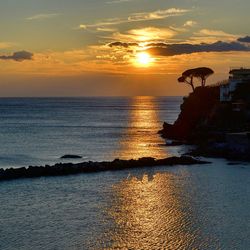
(218, 33)
(144, 35)
(105, 29)
(137, 17)
(5, 45)
(159, 14)
(207, 35)
(43, 16)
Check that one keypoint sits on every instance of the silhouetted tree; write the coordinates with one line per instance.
(201, 73)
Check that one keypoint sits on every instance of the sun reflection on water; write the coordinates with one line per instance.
(151, 212)
(141, 139)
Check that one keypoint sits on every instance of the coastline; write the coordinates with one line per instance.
(215, 129)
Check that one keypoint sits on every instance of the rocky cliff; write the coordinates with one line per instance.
(195, 113)
(204, 118)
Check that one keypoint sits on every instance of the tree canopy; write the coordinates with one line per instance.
(201, 73)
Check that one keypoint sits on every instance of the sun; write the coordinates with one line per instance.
(143, 59)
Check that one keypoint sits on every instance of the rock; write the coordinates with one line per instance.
(71, 157)
(196, 113)
(234, 163)
(92, 167)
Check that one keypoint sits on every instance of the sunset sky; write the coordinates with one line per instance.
(117, 47)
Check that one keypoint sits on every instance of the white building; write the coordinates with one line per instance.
(237, 76)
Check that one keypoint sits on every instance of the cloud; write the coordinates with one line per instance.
(42, 16)
(190, 23)
(18, 56)
(137, 17)
(100, 29)
(245, 39)
(159, 14)
(121, 44)
(162, 49)
(144, 35)
(104, 23)
(216, 33)
(213, 36)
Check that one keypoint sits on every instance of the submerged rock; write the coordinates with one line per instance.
(60, 169)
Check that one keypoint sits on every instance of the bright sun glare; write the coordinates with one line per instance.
(143, 59)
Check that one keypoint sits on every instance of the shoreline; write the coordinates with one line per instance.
(214, 127)
(63, 169)
(220, 152)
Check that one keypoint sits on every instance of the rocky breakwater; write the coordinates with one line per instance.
(61, 169)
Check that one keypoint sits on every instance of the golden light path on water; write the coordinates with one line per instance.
(153, 212)
(149, 211)
(140, 138)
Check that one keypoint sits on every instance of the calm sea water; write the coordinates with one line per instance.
(180, 207)
(39, 131)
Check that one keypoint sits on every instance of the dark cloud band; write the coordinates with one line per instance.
(166, 49)
(18, 56)
(244, 39)
(121, 44)
(179, 49)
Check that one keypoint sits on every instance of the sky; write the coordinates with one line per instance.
(117, 47)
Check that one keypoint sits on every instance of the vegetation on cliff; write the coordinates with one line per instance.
(204, 118)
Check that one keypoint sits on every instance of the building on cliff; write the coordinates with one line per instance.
(237, 76)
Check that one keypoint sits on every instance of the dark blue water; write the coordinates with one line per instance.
(41, 130)
(181, 207)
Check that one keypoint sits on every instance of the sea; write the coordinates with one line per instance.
(178, 207)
